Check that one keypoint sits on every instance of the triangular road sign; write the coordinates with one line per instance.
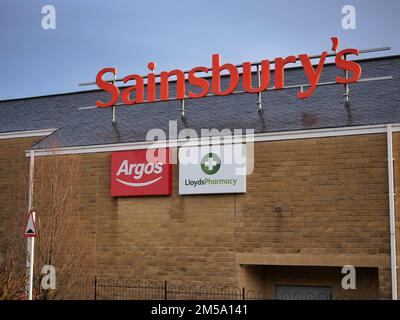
(30, 230)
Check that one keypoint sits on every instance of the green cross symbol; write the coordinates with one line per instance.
(210, 163)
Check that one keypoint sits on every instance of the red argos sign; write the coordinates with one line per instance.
(141, 173)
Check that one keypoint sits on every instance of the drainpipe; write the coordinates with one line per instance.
(393, 258)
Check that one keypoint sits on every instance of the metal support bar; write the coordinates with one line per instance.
(346, 85)
(113, 107)
(259, 102)
(330, 54)
(113, 115)
(182, 110)
(299, 86)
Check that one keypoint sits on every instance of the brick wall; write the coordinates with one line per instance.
(172, 238)
(317, 196)
(310, 202)
(13, 175)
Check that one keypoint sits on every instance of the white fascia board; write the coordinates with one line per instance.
(258, 137)
(26, 134)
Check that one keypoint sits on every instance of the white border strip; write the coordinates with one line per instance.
(26, 134)
(259, 137)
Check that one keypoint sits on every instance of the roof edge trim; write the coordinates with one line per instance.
(26, 134)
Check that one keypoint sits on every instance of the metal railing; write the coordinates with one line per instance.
(98, 288)
(111, 289)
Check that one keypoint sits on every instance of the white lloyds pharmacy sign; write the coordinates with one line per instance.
(212, 169)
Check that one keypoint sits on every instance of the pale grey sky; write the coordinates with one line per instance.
(127, 34)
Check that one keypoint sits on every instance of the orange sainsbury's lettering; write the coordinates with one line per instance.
(216, 76)
(190, 80)
(247, 77)
(351, 66)
(312, 75)
(109, 87)
(279, 70)
(180, 84)
(151, 83)
(198, 82)
(138, 88)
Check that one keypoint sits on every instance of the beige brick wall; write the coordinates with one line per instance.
(316, 198)
(13, 175)
(172, 238)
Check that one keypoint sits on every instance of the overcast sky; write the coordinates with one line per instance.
(127, 34)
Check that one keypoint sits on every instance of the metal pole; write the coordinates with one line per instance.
(392, 213)
(30, 241)
(182, 108)
(259, 103)
(32, 252)
(113, 107)
(346, 85)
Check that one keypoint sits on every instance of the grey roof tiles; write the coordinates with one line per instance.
(376, 102)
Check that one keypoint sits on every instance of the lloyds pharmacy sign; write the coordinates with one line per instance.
(212, 169)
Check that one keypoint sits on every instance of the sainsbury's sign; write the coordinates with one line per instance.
(204, 86)
(133, 174)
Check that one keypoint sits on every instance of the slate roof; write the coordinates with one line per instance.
(376, 102)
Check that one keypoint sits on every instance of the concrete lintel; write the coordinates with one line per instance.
(380, 261)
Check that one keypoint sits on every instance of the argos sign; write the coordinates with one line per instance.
(132, 174)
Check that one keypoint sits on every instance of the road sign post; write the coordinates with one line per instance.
(30, 234)
(30, 231)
